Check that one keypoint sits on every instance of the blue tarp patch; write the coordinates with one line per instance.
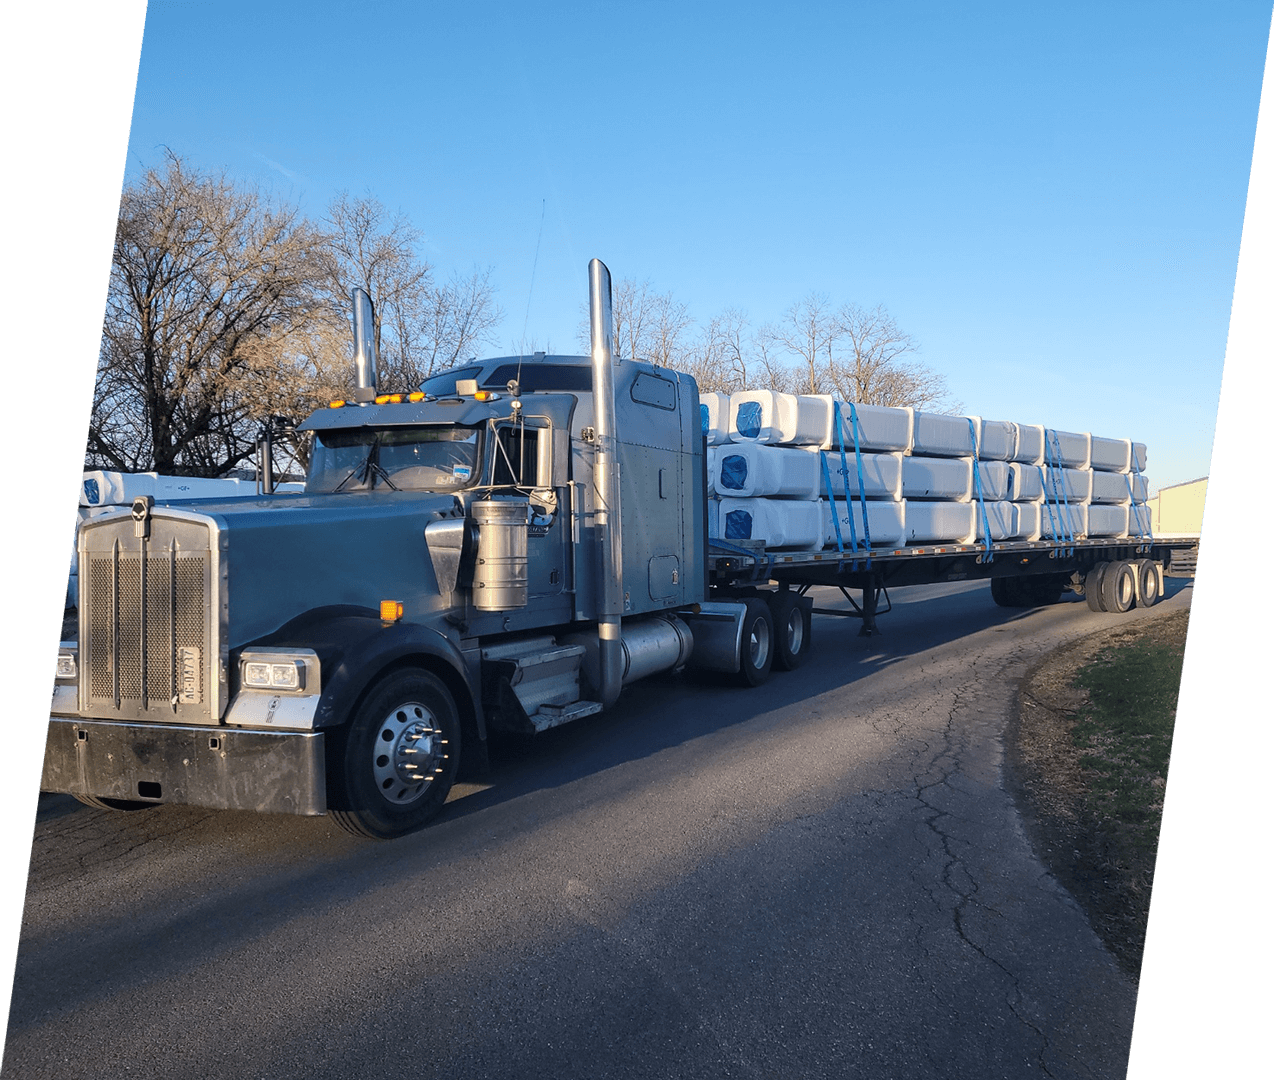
(91, 492)
(747, 419)
(738, 525)
(703, 417)
(734, 472)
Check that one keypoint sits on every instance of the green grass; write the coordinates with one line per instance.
(1125, 733)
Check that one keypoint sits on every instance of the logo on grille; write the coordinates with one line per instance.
(188, 674)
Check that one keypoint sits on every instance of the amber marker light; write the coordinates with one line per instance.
(417, 395)
(482, 395)
(338, 404)
(391, 610)
(382, 399)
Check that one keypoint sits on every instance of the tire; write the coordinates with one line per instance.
(1119, 587)
(1147, 582)
(126, 805)
(1043, 591)
(377, 793)
(756, 643)
(1002, 591)
(791, 630)
(1092, 586)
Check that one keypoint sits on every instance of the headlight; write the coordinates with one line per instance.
(291, 670)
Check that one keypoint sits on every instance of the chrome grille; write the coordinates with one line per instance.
(147, 616)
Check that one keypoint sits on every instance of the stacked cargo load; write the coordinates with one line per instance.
(809, 472)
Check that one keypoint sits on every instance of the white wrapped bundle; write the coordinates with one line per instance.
(1139, 522)
(1068, 485)
(1139, 456)
(997, 439)
(1110, 455)
(1000, 516)
(995, 480)
(766, 416)
(1067, 448)
(1030, 444)
(938, 522)
(939, 435)
(104, 488)
(880, 427)
(1057, 522)
(779, 523)
(1027, 523)
(882, 473)
(742, 470)
(1118, 488)
(1107, 521)
(714, 409)
(1025, 483)
(884, 521)
(937, 478)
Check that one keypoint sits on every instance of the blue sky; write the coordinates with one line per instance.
(1048, 199)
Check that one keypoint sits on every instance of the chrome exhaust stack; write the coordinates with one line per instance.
(365, 357)
(606, 517)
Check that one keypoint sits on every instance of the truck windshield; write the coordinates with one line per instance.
(434, 458)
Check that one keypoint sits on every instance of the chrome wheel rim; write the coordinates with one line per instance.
(408, 753)
(795, 632)
(758, 642)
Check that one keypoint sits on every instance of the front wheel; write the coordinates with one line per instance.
(399, 757)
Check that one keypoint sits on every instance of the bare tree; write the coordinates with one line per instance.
(209, 283)
(875, 366)
(809, 330)
(421, 326)
(646, 325)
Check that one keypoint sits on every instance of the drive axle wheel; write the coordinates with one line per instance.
(1092, 586)
(791, 630)
(399, 757)
(756, 648)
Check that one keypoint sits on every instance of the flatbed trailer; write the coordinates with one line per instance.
(1022, 573)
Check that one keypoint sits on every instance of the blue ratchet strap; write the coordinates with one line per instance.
(1143, 532)
(862, 489)
(844, 480)
(1056, 452)
(1052, 522)
(977, 483)
(831, 501)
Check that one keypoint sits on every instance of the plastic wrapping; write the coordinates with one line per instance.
(1000, 516)
(779, 523)
(1069, 449)
(766, 416)
(938, 522)
(1107, 520)
(882, 473)
(940, 435)
(1068, 485)
(1110, 455)
(937, 478)
(997, 439)
(743, 470)
(1119, 488)
(1025, 484)
(884, 521)
(1029, 448)
(714, 411)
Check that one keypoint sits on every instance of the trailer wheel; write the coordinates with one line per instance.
(1092, 586)
(1042, 591)
(756, 644)
(791, 629)
(1002, 592)
(399, 756)
(99, 803)
(1147, 571)
(1119, 587)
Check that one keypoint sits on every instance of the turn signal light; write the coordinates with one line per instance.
(391, 610)
(417, 395)
(336, 404)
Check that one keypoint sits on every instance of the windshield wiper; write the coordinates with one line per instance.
(368, 466)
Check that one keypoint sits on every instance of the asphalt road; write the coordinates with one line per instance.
(823, 877)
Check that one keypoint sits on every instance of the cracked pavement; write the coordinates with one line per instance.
(823, 877)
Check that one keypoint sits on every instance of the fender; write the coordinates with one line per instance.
(354, 646)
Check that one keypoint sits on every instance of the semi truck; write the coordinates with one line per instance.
(502, 550)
